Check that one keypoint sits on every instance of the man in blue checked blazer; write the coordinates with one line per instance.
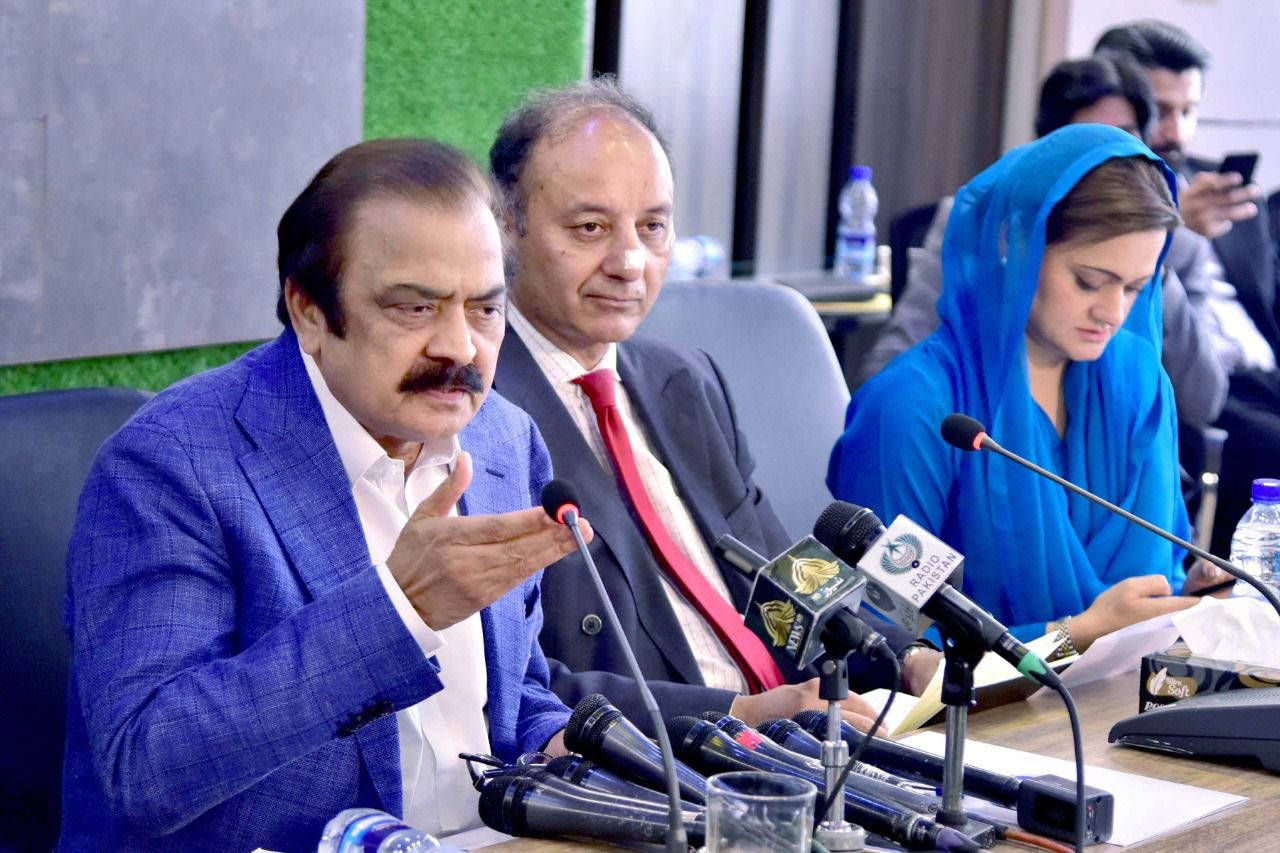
(306, 580)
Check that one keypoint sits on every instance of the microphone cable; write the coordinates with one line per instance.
(856, 754)
(1078, 747)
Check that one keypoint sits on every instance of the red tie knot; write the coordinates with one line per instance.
(598, 386)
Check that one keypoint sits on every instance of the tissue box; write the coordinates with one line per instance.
(1175, 673)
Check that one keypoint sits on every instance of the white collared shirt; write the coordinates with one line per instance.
(437, 793)
(718, 668)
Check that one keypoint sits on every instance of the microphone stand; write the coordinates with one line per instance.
(961, 654)
(834, 832)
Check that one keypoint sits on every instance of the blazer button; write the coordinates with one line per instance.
(591, 624)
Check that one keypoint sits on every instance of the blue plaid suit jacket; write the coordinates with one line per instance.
(236, 661)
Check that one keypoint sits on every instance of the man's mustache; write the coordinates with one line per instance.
(443, 375)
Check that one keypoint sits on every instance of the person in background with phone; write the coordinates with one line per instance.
(1218, 202)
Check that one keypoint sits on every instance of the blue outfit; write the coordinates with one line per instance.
(1033, 552)
(236, 661)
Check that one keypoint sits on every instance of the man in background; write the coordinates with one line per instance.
(1242, 263)
(645, 432)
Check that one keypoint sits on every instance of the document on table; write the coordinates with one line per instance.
(1145, 807)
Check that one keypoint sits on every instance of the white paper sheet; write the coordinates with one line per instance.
(1144, 807)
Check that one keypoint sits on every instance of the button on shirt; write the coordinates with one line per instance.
(561, 369)
(437, 791)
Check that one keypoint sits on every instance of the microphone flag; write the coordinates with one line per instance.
(903, 568)
(795, 594)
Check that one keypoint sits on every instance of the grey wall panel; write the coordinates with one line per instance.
(24, 36)
(177, 134)
(799, 88)
(21, 224)
(684, 61)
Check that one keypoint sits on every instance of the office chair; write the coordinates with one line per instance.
(907, 230)
(788, 391)
(47, 443)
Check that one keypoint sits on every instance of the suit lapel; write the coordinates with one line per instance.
(521, 381)
(298, 477)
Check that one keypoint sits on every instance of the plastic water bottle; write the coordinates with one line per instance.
(856, 235)
(372, 831)
(1255, 545)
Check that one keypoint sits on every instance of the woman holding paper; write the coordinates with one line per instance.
(1051, 337)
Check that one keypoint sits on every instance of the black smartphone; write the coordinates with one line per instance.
(1242, 162)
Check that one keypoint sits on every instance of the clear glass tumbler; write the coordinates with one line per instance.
(755, 812)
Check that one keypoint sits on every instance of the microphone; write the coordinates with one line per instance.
(874, 784)
(559, 502)
(526, 806)
(914, 576)
(600, 732)
(704, 745)
(966, 433)
(1045, 804)
(790, 736)
(804, 602)
(587, 774)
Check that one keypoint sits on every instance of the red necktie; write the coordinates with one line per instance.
(746, 648)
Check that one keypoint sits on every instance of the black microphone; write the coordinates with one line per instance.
(966, 433)
(848, 529)
(600, 732)
(804, 602)
(526, 806)
(559, 502)
(790, 736)
(706, 747)
(1045, 804)
(587, 774)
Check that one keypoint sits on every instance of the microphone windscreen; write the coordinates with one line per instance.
(577, 737)
(962, 432)
(678, 728)
(713, 717)
(555, 495)
(847, 529)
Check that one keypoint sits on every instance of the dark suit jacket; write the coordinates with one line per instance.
(236, 660)
(1248, 259)
(681, 399)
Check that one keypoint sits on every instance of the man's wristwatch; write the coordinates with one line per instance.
(910, 651)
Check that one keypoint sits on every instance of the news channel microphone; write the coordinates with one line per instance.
(588, 774)
(968, 434)
(804, 602)
(600, 732)
(560, 502)
(909, 567)
(706, 747)
(526, 806)
(1045, 804)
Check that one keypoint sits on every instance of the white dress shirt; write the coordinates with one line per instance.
(718, 668)
(437, 790)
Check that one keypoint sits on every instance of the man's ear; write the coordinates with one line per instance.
(308, 321)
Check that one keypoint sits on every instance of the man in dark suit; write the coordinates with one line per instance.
(590, 197)
(1220, 209)
(296, 580)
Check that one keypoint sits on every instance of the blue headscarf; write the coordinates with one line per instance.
(1032, 551)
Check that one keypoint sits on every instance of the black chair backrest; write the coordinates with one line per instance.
(907, 230)
(47, 442)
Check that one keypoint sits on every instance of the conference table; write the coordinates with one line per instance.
(1040, 725)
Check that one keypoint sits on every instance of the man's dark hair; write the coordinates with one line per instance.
(552, 111)
(313, 233)
(1155, 44)
(1077, 84)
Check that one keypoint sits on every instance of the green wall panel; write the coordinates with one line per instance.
(452, 69)
(432, 68)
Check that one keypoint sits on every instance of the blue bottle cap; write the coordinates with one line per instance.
(859, 173)
(1267, 490)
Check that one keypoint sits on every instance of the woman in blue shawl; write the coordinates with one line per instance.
(1051, 337)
